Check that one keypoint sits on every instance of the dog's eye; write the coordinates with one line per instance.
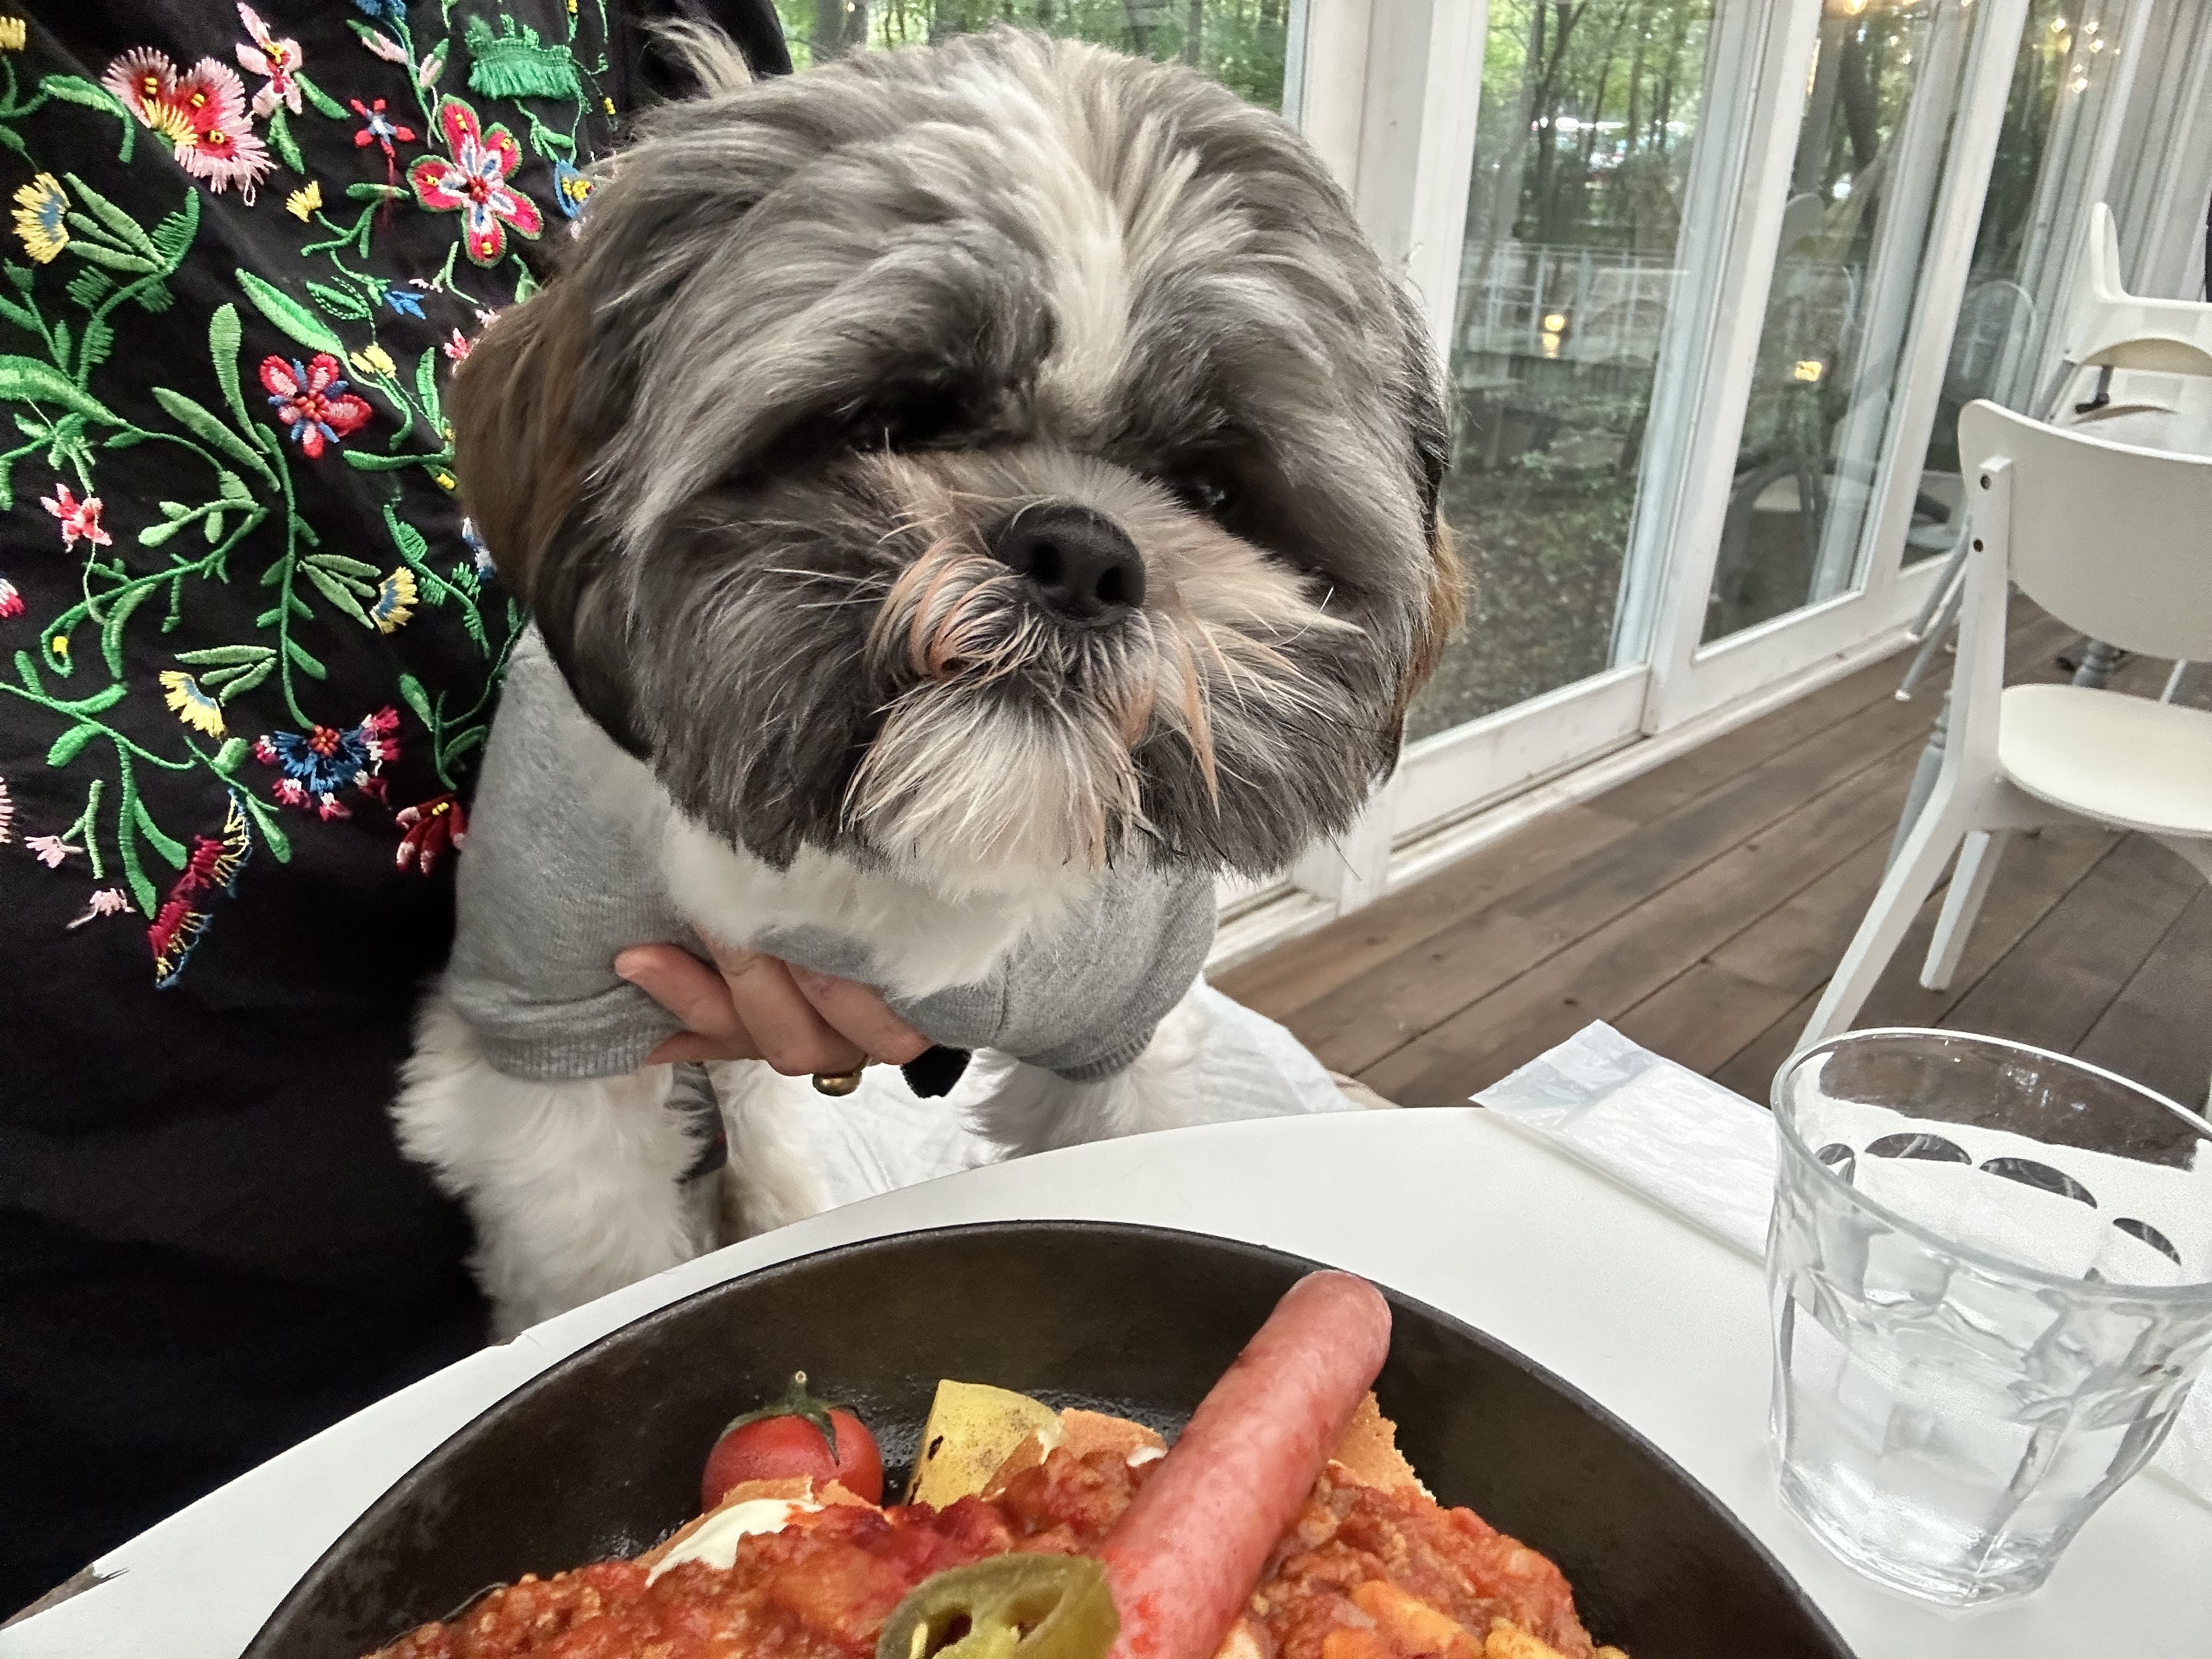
(913, 423)
(1208, 490)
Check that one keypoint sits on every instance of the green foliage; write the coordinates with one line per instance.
(1238, 42)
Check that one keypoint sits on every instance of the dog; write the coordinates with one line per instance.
(968, 498)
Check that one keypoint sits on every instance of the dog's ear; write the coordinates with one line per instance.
(1428, 435)
(524, 460)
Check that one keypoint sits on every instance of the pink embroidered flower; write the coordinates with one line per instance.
(104, 901)
(431, 827)
(458, 346)
(473, 183)
(79, 517)
(202, 113)
(275, 58)
(313, 399)
(11, 604)
(49, 850)
(381, 46)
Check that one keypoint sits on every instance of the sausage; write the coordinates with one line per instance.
(1183, 1559)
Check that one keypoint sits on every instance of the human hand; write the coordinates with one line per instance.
(751, 1006)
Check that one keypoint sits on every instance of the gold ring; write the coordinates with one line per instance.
(839, 1082)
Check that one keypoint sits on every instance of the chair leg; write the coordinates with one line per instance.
(1911, 878)
(1970, 885)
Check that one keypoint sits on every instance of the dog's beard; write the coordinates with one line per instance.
(1228, 721)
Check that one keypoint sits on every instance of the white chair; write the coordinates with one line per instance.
(2115, 542)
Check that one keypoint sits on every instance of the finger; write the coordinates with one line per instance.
(696, 994)
(687, 1046)
(790, 1035)
(861, 1014)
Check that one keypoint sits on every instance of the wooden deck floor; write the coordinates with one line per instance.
(1700, 907)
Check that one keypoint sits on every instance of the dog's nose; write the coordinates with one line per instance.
(1081, 563)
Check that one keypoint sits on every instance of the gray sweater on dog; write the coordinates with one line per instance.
(550, 886)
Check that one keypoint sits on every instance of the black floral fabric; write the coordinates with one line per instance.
(249, 651)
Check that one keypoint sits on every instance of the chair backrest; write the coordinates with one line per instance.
(2107, 325)
(2114, 541)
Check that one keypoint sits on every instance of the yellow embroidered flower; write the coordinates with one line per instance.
(443, 480)
(59, 646)
(374, 360)
(394, 604)
(610, 103)
(39, 206)
(301, 204)
(16, 32)
(189, 704)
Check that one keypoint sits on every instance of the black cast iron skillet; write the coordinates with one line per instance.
(601, 1455)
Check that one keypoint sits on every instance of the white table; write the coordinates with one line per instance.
(1660, 1322)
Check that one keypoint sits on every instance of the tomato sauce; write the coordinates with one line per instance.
(822, 1588)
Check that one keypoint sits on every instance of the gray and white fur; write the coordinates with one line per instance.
(787, 460)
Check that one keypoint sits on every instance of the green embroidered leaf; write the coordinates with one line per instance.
(68, 746)
(114, 258)
(153, 535)
(338, 301)
(291, 316)
(61, 340)
(281, 140)
(119, 612)
(525, 284)
(18, 275)
(268, 618)
(99, 341)
(264, 819)
(363, 461)
(298, 607)
(426, 385)
(223, 333)
(307, 532)
(224, 656)
(99, 702)
(74, 90)
(126, 438)
(345, 566)
(27, 671)
(229, 758)
(201, 422)
(172, 509)
(21, 316)
(247, 680)
(323, 103)
(166, 845)
(411, 692)
(305, 663)
(409, 540)
(518, 65)
(376, 192)
(89, 287)
(274, 575)
(113, 219)
(232, 488)
(173, 237)
(153, 298)
(213, 523)
(26, 379)
(335, 591)
(467, 738)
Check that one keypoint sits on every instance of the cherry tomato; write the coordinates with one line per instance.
(797, 1435)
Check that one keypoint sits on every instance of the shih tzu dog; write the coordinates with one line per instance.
(968, 497)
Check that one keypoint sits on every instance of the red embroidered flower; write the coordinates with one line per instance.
(473, 183)
(313, 400)
(317, 766)
(79, 517)
(378, 128)
(457, 347)
(11, 604)
(202, 113)
(431, 827)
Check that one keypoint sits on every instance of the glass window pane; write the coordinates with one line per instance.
(2039, 197)
(1882, 93)
(1241, 43)
(1570, 269)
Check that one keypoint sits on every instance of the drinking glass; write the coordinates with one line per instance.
(1990, 1273)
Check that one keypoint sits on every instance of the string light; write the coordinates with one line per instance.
(1809, 370)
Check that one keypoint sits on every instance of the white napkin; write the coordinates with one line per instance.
(1708, 1155)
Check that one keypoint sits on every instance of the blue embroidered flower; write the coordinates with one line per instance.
(318, 764)
(395, 10)
(571, 189)
(477, 551)
(400, 300)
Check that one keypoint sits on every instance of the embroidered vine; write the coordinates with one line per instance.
(355, 384)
